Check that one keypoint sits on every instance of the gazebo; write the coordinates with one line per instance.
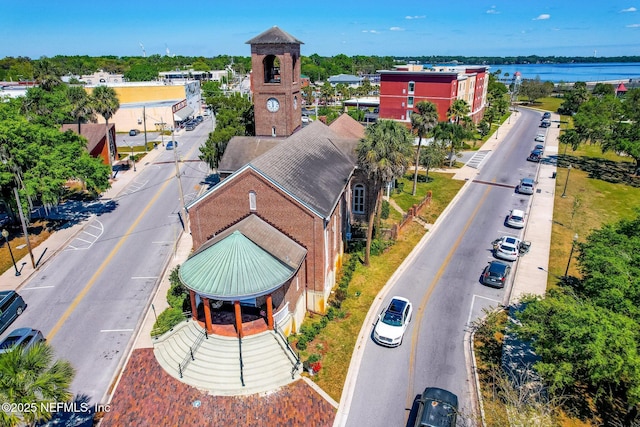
(246, 265)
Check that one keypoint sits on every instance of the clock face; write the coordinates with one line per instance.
(273, 105)
(295, 102)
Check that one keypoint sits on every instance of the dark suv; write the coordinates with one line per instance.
(11, 306)
(495, 274)
(438, 408)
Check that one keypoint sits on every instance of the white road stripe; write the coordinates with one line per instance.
(38, 287)
(116, 330)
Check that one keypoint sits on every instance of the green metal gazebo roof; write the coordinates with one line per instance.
(235, 268)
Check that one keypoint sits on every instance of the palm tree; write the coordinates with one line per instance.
(46, 74)
(422, 121)
(383, 154)
(105, 102)
(32, 378)
(81, 106)
(458, 111)
(452, 135)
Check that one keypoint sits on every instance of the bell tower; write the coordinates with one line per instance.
(275, 81)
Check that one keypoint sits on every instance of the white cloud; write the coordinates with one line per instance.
(493, 11)
(633, 26)
(370, 31)
(542, 17)
(629, 9)
(415, 17)
(396, 29)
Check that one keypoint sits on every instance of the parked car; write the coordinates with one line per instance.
(199, 119)
(495, 274)
(21, 337)
(305, 119)
(526, 186)
(437, 408)
(190, 127)
(133, 132)
(538, 147)
(516, 218)
(539, 137)
(393, 322)
(11, 306)
(545, 123)
(171, 144)
(535, 156)
(546, 115)
(506, 248)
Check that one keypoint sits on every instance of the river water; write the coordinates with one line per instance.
(559, 73)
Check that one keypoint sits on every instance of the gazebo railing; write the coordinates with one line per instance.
(192, 350)
(296, 357)
(241, 362)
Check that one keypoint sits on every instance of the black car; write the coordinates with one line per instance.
(535, 156)
(495, 274)
(133, 132)
(438, 408)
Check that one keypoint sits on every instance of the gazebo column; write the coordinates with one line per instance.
(238, 312)
(207, 315)
(269, 312)
(194, 306)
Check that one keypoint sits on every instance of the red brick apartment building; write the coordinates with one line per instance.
(402, 88)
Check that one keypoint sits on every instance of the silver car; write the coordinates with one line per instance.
(516, 218)
(526, 186)
(24, 338)
(507, 248)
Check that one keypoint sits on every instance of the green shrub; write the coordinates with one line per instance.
(313, 358)
(167, 320)
(302, 343)
(378, 246)
(178, 295)
(384, 210)
(331, 313)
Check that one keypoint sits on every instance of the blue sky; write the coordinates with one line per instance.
(423, 27)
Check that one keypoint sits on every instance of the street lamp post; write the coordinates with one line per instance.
(133, 159)
(566, 181)
(573, 245)
(5, 234)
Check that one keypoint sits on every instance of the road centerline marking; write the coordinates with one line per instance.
(74, 304)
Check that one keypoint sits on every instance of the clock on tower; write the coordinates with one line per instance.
(275, 80)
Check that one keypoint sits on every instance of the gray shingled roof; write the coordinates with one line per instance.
(274, 35)
(243, 149)
(309, 166)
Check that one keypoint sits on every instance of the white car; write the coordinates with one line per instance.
(539, 137)
(507, 248)
(393, 322)
(516, 218)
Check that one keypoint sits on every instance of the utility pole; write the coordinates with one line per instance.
(185, 223)
(144, 121)
(24, 226)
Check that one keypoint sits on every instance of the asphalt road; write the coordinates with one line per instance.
(91, 297)
(443, 282)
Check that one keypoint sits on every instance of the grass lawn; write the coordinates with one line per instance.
(38, 231)
(441, 185)
(590, 201)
